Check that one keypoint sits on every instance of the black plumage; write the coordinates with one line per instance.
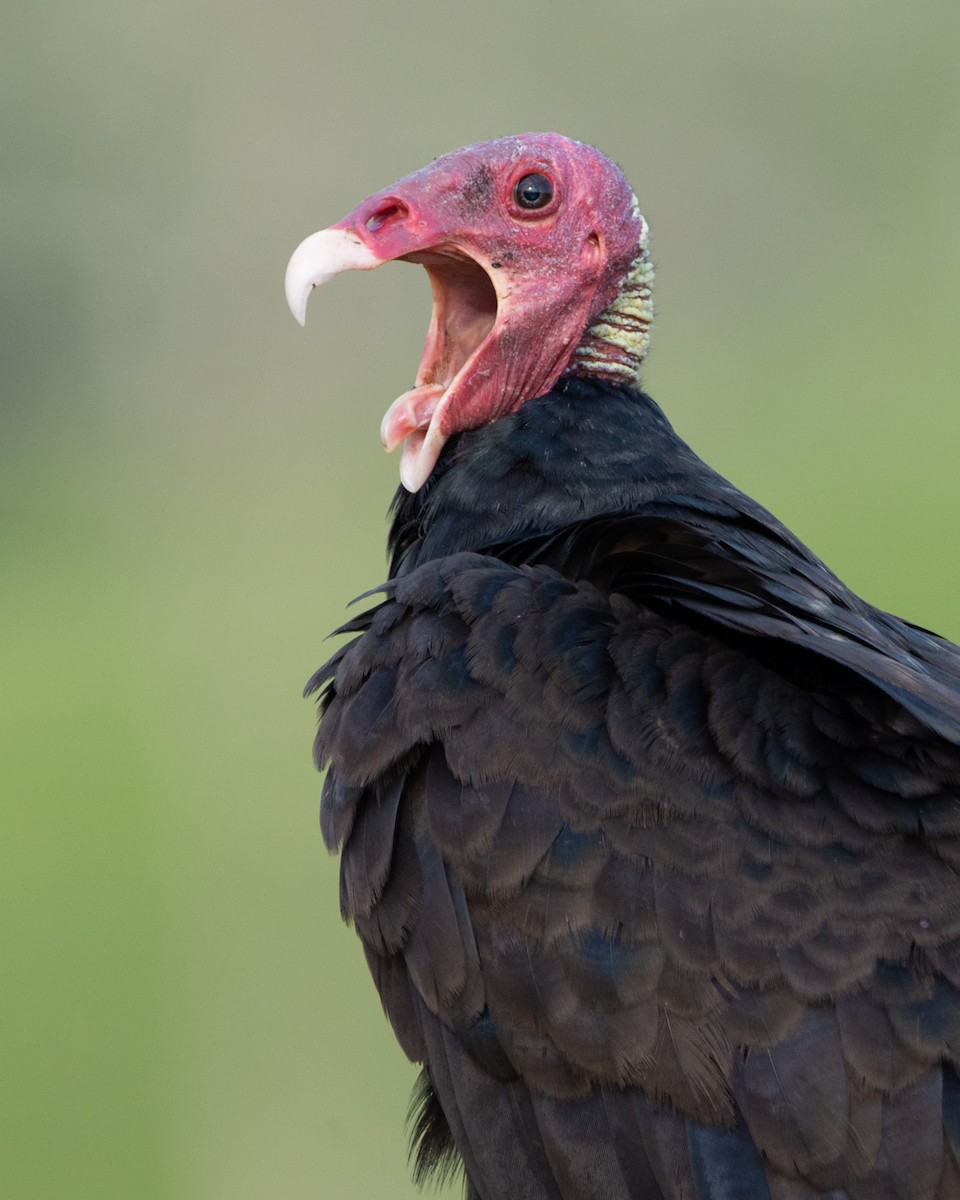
(649, 827)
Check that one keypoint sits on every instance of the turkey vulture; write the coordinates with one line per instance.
(649, 826)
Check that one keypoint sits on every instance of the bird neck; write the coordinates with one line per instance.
(586, 448)
(615, 343)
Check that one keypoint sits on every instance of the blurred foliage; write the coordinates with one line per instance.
(191, 487)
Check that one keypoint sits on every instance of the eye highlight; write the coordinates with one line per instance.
(533, 191)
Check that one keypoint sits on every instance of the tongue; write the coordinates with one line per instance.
(408, 413)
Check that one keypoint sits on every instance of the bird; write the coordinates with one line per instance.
(648, 825)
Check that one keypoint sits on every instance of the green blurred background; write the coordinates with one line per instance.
(191, 486)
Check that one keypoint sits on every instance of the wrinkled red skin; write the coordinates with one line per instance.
(553, 268)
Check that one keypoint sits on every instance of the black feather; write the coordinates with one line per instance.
(432, 1147)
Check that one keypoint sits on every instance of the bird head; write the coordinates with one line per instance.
(537, 258)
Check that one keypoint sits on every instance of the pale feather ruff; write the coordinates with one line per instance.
(615, 344)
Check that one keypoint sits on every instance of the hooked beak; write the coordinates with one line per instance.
(317, 259)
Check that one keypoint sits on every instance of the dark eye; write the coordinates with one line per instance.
(533, 191)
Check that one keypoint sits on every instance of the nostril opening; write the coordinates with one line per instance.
(390, 210)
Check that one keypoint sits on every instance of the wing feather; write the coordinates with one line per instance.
(667, 889)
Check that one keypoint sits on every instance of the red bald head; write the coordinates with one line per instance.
(526, 240)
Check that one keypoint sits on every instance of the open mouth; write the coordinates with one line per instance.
(465, 306)
(464, 312)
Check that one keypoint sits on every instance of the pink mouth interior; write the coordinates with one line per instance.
(464, 315)
(464, 312)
